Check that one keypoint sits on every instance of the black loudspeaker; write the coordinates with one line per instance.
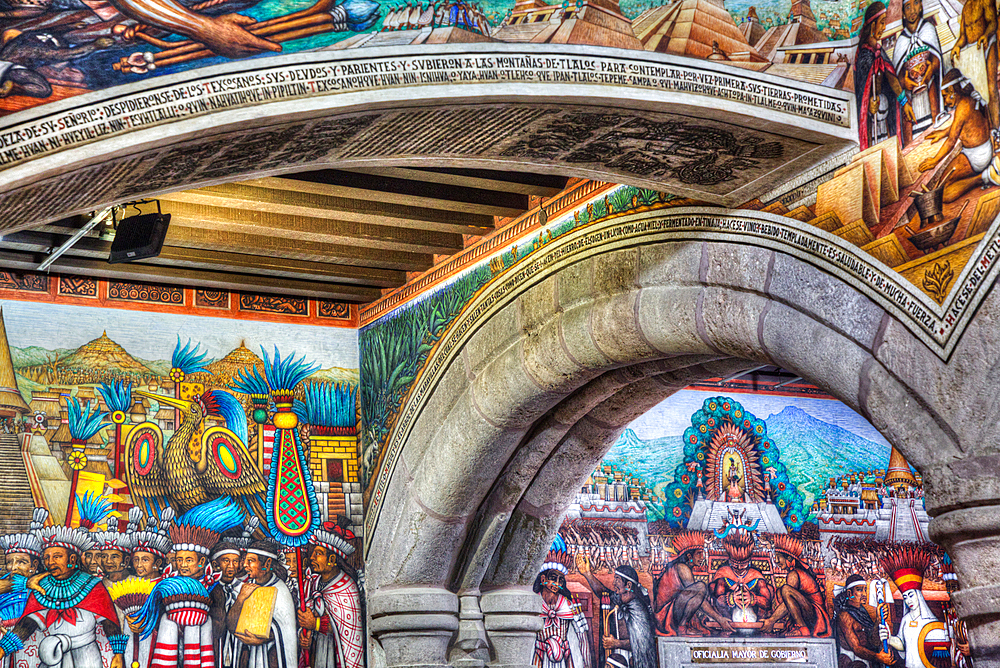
(139, 237)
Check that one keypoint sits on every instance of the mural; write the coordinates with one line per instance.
(712, 528)
(195, 491)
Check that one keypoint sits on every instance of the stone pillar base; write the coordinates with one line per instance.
(512, 618)
(414, 625)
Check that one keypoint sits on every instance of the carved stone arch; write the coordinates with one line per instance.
(529, 398)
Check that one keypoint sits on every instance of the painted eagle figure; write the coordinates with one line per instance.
(198, 463)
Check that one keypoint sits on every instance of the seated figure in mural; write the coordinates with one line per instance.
(855, 629)
(973, 167)
(922, 638)
(877, 90)
(69, 610)
(563, 640)
(978, 30)
(739, 589)
(678, 597)
(801, 597)
(332, 617)
(630, 631)
(917, 58)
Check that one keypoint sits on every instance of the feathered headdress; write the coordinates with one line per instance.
(118, 398)
(83, 423)
(110, 539)
(130, 594)
(219, 403)
(199, 529)
(249, 529)
(906, 566)
(185, 600)
(789, 545)
(334, 538)
(93, 508)
(26, 543)
(149, 540)
(186, 360)
(558, 558)
(73, 540)
(329, 408)
(686, 541)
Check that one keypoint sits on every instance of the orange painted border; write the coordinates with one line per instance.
(232, 312)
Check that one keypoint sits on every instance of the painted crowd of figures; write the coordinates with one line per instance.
(202, 589)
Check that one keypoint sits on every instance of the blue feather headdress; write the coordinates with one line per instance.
(198, 530)
(284, 374)
(332, 407)
(188, 359)
(82, 423)
(250, 382)
(167, 593)
(93, 509)
(117, 396)
(220, 403)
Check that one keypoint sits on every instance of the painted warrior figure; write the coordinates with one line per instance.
(922, 638)
(562, 642)
(677, 596)
(877, 90)
(147, 552)
(333, 605)
(855, 630)
(740, 589)
(23, 559)
(801, 597)
(279, 649)
(631, 629)
(69, 610)
(226, 559)
(918, 60)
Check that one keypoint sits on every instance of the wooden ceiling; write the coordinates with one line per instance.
(343, 235)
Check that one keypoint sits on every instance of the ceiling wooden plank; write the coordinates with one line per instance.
(297, 249)
(525, 183)
(391, 189)
(192, 278)
(320, 230)
(311, 205)
(40, 242)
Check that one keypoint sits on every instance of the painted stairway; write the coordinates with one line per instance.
(16, 504)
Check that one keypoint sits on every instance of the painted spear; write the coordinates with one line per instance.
(291, 498)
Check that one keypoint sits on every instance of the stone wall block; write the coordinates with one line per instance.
(670, 264)
(547, 362)
(828, 299)
(615, 272)
(575, 283)
(414, 626)
(518, 400)
(616, 331)
(899, 416)
(740, 267)
(537, 306)
(442, 401)
(980, 484)
(497, 333)
(470, 648)
(832, 361)
(512, 617)
(576, 336)
(668, 320)
(730, 322)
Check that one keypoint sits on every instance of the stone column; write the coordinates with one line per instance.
(414, 625)
(965, 498)
(512, 618)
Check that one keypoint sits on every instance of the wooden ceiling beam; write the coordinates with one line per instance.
(192, 278)
(320, 230)
(395, 190)
(40, 242)
(312, 205)
(524, 183)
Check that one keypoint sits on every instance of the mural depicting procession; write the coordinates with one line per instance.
(749, 516)
(176, 497)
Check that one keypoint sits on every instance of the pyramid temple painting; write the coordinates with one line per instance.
(774, 523)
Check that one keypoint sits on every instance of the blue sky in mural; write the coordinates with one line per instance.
(154, 335)
(673, 415)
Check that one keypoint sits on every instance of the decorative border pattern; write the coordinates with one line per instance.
(78, 286)
(145, 292)
(274, 304)
(24, 281)
(326, 308)
(939, 327)
(211, 299)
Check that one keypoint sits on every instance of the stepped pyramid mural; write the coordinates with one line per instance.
(697, 28)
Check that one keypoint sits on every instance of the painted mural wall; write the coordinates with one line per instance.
(177, 487)
(778, 524)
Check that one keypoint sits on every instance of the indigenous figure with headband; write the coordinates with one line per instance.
(263, 567)
(922, 638)
(226, 558)
(678, 596)
(68, 611)
(630, 631)
(855, 629)
(877, 90)
(177, 608)
(333, 615)
(23, 559)
(562, 642)
(146, 551)
(975, 165)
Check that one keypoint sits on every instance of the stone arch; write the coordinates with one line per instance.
(534, 396)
